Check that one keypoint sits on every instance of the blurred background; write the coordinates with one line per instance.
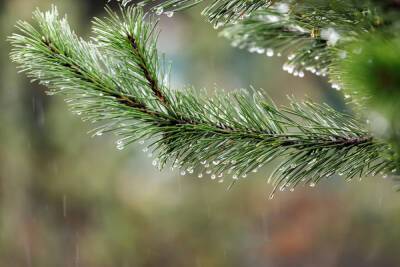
(69, 200)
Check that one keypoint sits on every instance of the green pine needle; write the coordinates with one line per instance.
(118, 79)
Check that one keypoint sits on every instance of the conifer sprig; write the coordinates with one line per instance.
(219, 12)
(117, 79)
(313, 34)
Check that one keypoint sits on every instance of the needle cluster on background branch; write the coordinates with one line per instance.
(117, 79)
(312, 34)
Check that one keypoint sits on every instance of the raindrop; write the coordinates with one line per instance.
(270, 52)
(159, 10)
(200, 175)
(183, 172)
(169, 14)
(336, 86)
(260, 50)
(312, 184)
(213, 177)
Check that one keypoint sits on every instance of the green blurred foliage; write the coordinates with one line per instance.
(371, 72)
(70, 200)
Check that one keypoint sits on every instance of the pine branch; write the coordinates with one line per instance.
(312, 33)
(118, 79)
(218, 12)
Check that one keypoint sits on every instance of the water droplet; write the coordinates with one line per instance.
(260, 50)
(216, 162)
(159, 10)
(169, 14)
(183, 172)
(312, 184)
(154, 163)
(141, 142)
(200, 175)
(336, 86)
(213, 177)
(270, 52)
